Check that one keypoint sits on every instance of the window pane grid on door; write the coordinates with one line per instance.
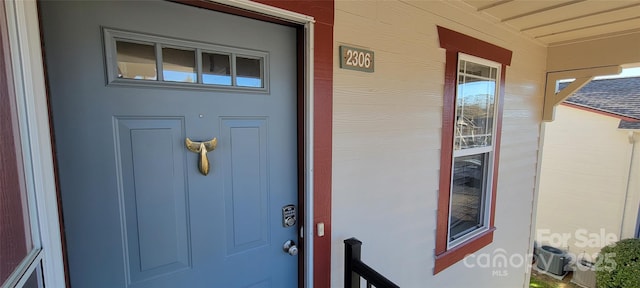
(133, 58)
(179, 65)
(248, 72)
(136, 60)
(216, 69)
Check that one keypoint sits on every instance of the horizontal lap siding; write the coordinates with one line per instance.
(584, 175)
(386, 141)
(631, 220)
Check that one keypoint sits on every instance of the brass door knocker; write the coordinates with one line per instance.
(202, 148)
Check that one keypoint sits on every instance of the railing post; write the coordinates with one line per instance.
(352, 249)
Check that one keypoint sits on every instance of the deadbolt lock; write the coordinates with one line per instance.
(289, 216)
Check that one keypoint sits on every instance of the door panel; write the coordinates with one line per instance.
(137, 211)
(246, 191)
(153, 191)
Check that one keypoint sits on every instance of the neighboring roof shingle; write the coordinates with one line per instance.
(620, 96)
(628, 125)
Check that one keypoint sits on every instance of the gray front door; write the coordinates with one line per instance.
(129, 81)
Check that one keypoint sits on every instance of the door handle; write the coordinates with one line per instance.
(202, 148)
(290, 248)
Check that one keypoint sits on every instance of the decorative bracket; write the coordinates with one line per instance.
(553, 97)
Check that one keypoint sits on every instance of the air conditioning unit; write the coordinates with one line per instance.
(552, 260)
(585, 274)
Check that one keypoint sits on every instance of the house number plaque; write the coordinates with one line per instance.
(356, 59)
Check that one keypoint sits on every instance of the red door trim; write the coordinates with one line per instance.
(323, 13)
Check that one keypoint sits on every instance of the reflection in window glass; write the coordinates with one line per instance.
(216, 69)
(180, 61)
(475, 104)
(179, 65)
(248, 72)
(467, 195)
(35, 279)
(476, 69)
(16, 234)
(136, 61)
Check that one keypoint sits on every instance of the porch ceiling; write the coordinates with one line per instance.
(554, 22)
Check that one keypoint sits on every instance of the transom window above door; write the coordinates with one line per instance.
(141, 59)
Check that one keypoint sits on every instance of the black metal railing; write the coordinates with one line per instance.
(355, 269)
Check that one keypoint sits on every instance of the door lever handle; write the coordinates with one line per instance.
(202, 148)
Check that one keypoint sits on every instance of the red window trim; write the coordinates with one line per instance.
(455, 43)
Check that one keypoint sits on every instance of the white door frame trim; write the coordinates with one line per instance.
(26, 57)
(29, 83)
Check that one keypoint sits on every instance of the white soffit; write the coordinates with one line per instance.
(556, 22)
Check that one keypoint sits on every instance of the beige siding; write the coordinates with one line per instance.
(595, 53)
(630, 222)
(583, 179)
(386, 142)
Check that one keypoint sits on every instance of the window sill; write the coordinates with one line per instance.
(453, 255)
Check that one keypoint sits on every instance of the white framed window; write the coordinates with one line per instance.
(473, 148)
